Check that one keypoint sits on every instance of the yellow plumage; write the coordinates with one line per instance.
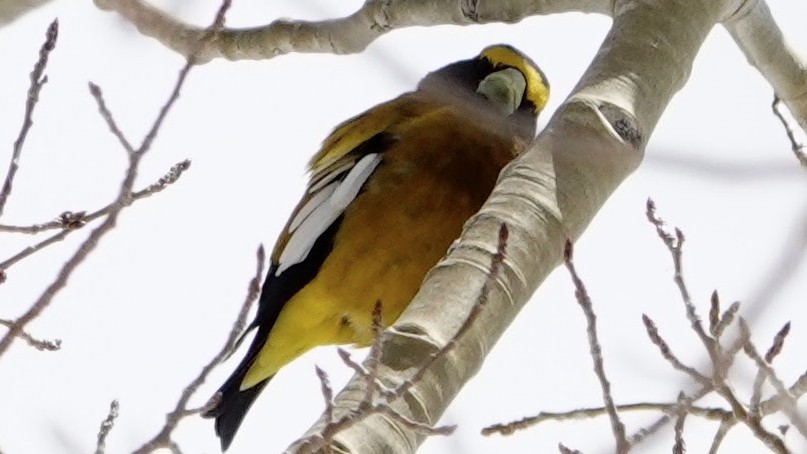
(389, 192)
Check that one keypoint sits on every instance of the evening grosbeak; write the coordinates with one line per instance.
(389, 192)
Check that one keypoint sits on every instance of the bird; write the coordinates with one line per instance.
(388, 193)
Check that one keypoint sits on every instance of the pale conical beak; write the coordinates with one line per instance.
(505, 89)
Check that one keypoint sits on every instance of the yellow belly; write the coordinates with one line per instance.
(409, 213)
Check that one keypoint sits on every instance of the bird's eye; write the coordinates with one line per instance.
(504, 88)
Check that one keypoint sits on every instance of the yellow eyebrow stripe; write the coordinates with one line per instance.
(537, 88)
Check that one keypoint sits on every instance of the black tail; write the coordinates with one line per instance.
(233, 406)
(277, 289)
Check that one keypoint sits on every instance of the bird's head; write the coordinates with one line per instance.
(500, 83)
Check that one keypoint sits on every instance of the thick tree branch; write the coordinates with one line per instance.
(759, 37)
(347, 35)
(748, 21)
(11, 10)
(591, 144)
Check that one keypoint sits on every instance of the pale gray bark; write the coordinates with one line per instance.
(11, 10)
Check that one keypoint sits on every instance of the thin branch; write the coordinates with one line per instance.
(726, 319)
(712, 414)
(791, 405)
(106, 114)
(721, 433)
(75, 220)
(774, 350)
(798, 388)
(49, 345)
(680, 447)
(106, 427)
(193, 59)
(714, 314)
(785, 400)
(666, 352)
(163, 438)
(70, 221)
(33, 249)
(617, 427)
(350, 34)
(121, 201)
(796, 146)
(565, 450)
(720, 361)
(374, 357)
(675, 244)
(37, 82)
(327, 393)
(641, 434)
(778, 343)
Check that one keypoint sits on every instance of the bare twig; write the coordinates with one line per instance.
(121, 201)
(683, 409)
(796, 146)
(106, 114)
(50, 345)
(721, 433)
(712, 414)
(327, 393)
(759, 380)
(595, 350)
(641, 434)
(75, 220)
(106, 426)
(37, 82)
(778, 343)
(34, 248)
(720, 360)
(181, 410)
(789, 400)
(565, 450)
(714, 314)
(70, 221)
(374, 357)
(666, 352)
(723, 358)
(726, 319)
(383, 391)
(675, 244)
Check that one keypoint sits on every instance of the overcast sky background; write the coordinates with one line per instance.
(155, 301)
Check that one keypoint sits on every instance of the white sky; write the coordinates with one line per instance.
(156, 299)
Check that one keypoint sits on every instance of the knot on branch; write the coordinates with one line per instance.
(71, 221)
(470, 10)
(380, 15)
(623, 122)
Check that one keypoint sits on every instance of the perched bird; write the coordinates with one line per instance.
(389, 192)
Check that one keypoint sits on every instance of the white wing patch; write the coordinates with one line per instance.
(318, 183)
(332, 197)
(312, 205)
